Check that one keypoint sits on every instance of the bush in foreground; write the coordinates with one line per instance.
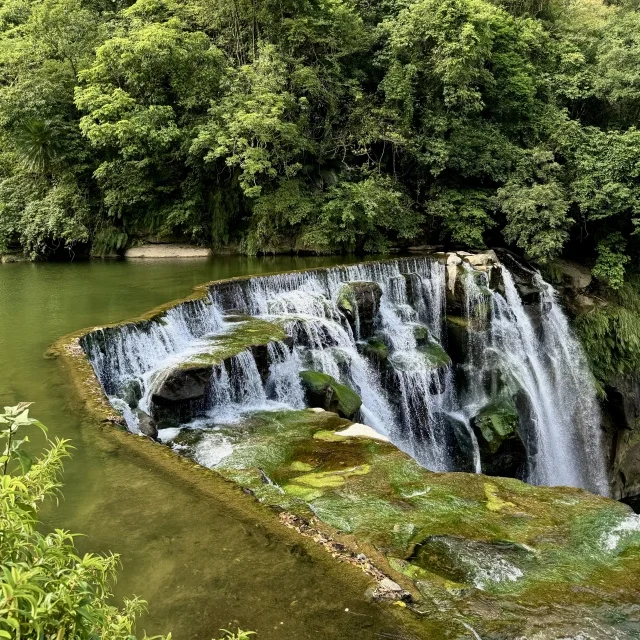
(48, 591)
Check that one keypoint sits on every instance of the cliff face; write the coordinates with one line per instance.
(622, 420)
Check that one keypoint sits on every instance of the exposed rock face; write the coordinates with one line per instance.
(376, 351)
(324, 391)
(147, 424)
(178, 393)
(575, 283)
(473, 561)
(167, 251)
(571, 275)
(502, 451)
(131, 393)
(457, 338)
(360, 302)
(491, 550)
(186, 381)
(623, 410)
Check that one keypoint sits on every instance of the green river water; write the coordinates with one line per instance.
(199, 566)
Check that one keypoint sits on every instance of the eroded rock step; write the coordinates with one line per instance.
(462, 544)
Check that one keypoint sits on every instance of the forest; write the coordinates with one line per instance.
(322, 126)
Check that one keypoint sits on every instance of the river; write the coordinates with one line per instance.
(200, 567)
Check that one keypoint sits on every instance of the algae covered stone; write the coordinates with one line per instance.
(178, 392)
(360, 302)
(324, 391)
(501, 448)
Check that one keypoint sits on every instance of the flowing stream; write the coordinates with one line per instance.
(523, 356)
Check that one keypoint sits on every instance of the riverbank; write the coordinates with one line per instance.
(538, 526)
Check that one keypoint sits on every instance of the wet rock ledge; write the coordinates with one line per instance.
(455, 542)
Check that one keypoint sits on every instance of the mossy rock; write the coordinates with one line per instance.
(421, 334)
(375, 350)
(360, 302)
(131, 392)
(188, 438)
(324, 391)
(462, 538)
(435, 355)
(496, 422)
(473, 562)
(502, 450)
(247, 334)
(178, 393)
(457, 338)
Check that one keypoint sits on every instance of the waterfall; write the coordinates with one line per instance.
(130, 351)
(426, 404)
(547, 366)
(235, 390)
(284, 379)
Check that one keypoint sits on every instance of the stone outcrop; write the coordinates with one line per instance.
(622, 417)
(167, 251)
(501, 449)
(490, 549)
(455, 262)
(360, 302)
(325, 392)
(147, 424)
(576, 286)
(178, 393)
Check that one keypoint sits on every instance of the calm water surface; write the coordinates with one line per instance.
(200, 567)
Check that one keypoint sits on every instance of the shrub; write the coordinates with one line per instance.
(48, 591)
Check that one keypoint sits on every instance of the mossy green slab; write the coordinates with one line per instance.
(497, 421)
(245, 333)
(469, 542)
(323, 389)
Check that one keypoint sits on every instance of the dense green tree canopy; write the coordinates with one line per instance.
(322, 125)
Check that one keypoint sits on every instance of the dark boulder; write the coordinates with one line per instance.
(633, 502)
(376, 351)
(131, 392)
(146, 424)
(179, 394)
(501, 449)
(474, 562)
(360, 302)
(184, 382)
(457, 338)
(622, 424)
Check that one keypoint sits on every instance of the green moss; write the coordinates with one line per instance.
(376, 349)
(497, 421)
(458, 321)
(435, 355)
(304, 493)
(328, 436)
(296, 465)
(335, 478)
(188, 437)
(247, 333)
(346, 299)
(324, 391)
(610, 333)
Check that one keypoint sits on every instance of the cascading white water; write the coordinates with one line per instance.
(421, 401)
(284, 376)
(547, 365)
(131, 351)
